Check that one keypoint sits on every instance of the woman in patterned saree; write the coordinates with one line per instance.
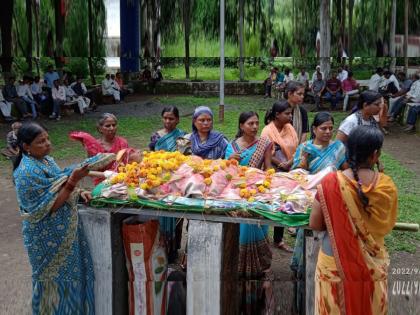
(109, 142)
(254, 251)
(357, 207)
(165, 139)
(315, 155)
(62, 269)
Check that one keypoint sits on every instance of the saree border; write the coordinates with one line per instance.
(327, 219)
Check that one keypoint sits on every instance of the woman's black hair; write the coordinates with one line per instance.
(243, 117)
(292, 87)
(363, 141)
(26, 134)
(278, 107)
(171, 109)
(368, 97)
(319, 119)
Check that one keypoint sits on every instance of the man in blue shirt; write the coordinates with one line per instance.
(50, 76)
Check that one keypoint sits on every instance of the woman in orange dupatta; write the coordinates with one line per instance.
(284, 137)
(357, 207)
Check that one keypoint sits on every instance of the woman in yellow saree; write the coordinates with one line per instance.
(357, 207)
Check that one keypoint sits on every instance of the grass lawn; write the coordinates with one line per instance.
(138, 130)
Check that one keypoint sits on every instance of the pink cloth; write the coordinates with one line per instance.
(93, 146)
(349, 85)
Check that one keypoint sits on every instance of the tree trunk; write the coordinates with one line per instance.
(380, 26)
(392, 34)
(325, 30)
(343, 24)
(91, 42)
(6, 20)
(406, 6)
(30, 38)
(241, 41)
(186, 11)
(350, 35)
(59, 33)
(36, 13)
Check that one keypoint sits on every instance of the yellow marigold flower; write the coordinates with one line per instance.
(267, 184)
(261, 189)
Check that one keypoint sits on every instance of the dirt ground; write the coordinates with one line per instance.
(15, 271)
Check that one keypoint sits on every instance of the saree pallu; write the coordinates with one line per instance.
(254, 252)
(354, 280)
(62, 269)
(165, 142)
(212, 149)
(319, 158)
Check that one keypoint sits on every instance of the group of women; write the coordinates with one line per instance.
(365, 199)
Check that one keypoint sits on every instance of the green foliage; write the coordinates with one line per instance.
(77, 66)
(75, 42)
(99, 65)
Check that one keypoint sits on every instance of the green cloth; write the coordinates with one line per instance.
(202, 206)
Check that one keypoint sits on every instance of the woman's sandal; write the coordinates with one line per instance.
(285, 247)
(291, 231)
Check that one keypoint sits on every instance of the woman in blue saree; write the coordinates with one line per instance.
(254, 250)
(315, 155)
(205, 142)
(165, 139)
(62, 269)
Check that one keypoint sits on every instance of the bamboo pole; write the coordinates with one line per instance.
(406, 227)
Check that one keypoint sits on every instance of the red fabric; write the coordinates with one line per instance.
(334, 84)
(93, 146)
(358, 284)
(349, 85)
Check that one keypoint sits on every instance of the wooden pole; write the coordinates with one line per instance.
(325, 30)
(222, 62)
(406, 36)
(392, 34)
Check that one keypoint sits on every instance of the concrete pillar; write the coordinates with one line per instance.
(130, 35)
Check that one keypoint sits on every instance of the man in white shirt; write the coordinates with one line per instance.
(71, 95)
(376, 80)
(59, 98)
(109, 88)
(412, 96)
(6, 108)
(288, 75)
(303, 77)
(315, 74)
(342, 74)
(389, 85)
(24, 92)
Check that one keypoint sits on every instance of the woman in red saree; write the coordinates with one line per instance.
(109, 142)
(357, 207)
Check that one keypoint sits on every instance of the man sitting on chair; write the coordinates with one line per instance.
(108, 88)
